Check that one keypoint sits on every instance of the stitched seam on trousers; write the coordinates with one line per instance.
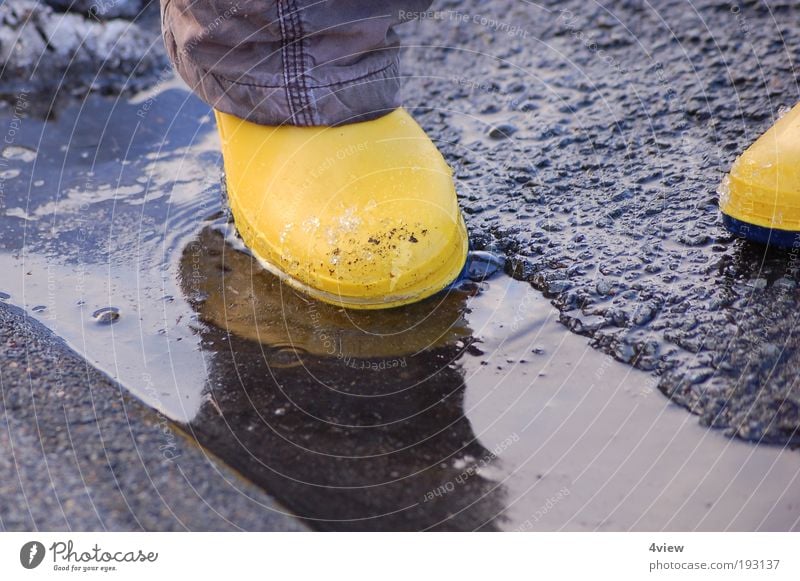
(292, 46)
(294, 71)
(285, 61)
(325, 86)
(297, 63)
(356, 79)
(300, 39)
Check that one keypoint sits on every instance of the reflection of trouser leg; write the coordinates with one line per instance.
(298, 62)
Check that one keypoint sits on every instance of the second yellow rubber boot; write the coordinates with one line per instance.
(760, 197)
(363, 216)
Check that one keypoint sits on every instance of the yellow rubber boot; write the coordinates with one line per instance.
(760, 198)
(363, 216)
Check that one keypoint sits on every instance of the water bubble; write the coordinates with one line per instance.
(106, 315)
(287, 356)
(503, 131)
(9, 174)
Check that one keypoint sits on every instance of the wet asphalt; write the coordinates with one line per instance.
(612, 127)
(588, 142)
(78, 453)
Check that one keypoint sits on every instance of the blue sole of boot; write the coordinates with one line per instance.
(767, 236)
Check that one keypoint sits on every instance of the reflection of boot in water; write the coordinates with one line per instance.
(362, 426)
(253, 304)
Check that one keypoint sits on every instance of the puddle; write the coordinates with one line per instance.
(475, 409)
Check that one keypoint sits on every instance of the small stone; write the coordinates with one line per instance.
(503, 131)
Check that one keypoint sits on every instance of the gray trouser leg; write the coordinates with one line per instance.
(298, 62)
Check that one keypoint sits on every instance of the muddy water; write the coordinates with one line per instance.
(475, 409)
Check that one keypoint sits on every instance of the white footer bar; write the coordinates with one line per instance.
(390, 556)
